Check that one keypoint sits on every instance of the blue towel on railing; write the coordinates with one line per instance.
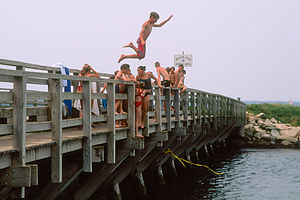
(67, 86)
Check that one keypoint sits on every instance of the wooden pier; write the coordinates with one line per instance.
(33, 131)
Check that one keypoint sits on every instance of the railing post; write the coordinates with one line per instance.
(193, 108)
(209, 108)
(199, 102)
(168, 107)
(111, 136)
(185, 101)
(214, 110)
(131, 113)
(86, 121)
(19, 128)
(55, 87)
(158, 109)
(177, 108)
(204, 112)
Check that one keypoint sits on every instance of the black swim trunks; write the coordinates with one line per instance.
(165, 83)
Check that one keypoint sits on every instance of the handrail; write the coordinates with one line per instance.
(194, 107)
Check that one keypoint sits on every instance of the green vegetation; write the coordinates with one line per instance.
(285, 113)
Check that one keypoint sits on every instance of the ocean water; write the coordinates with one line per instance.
(249, 174)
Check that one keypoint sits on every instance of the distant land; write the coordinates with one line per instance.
(296, 103)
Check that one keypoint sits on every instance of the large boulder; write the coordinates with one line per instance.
(292, 131)
(286, 143)
(257, 128)
(251, 119)
(273, 121)
(260, 123)
(281, 126)
(274, 133)
(287, 138)
(266, 137)
(257, 135)
(249, 130)
(261, 115)
(268, 123)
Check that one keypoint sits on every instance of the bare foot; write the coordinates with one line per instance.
(121, 58)
(117, 113)
(139, 135)
(123, 113)
(128, 45)
(141, 126)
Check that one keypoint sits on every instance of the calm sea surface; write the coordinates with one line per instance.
(248, 174)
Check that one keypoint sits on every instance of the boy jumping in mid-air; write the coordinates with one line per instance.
(144, 34)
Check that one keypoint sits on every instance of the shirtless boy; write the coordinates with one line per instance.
(162, 72)
(144, 34)
(121, 88)
(172, 77)
(178, 74)
(181, 82)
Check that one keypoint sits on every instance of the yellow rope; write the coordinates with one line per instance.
(181, 160)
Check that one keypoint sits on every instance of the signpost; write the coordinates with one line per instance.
(185, 59)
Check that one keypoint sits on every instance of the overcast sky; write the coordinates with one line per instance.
(241, 48)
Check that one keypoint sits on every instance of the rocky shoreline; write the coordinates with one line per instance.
(262, 132)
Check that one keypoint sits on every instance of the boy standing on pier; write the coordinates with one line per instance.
(144, 34)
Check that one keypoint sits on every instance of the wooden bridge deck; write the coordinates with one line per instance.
(32, 127)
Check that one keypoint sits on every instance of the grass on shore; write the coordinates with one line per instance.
(285, 113)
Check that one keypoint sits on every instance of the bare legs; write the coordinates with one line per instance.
(138, 120)
(145, 106)
(132, 55)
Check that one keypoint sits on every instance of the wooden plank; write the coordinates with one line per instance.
(146, 131)
(199, 106)
(6, 129)
(98, 154)
(185, 102)
(5, 78)
(71, 122)
(6, 96)
(55, 88)
(168, 108)
(16, 176)
(38, 126)
(19, 121)
(111, 136)
(87, 132)
(177, 108)
(37, 81)
(69, 95)
(158, 109)
(36, 95)
(214, 111)
(121, 96)
(193, 108)
(131, 111)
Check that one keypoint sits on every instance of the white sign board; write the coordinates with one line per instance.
(185, 59)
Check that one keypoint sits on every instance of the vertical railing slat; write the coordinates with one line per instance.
(111, 136)
(158, 109)
(86, 121)
(168, 107)
(55, 87)
(19, 127)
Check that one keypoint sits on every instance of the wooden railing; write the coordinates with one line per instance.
(193, 108)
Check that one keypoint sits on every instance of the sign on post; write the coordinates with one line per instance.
(185, 59)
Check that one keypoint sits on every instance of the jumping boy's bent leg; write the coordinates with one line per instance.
(128, 56)
(131, 46)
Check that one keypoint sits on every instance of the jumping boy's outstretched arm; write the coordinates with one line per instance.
(162, 23)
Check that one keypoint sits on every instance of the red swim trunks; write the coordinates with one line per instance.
(141, 48)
